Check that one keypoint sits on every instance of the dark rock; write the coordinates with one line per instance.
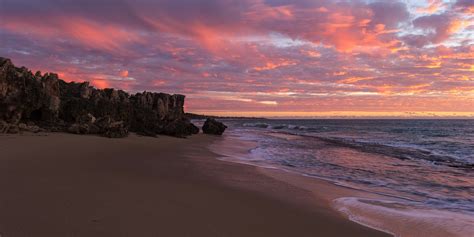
(23, 127)
(9, 128)
(116, 130)
(110, 128)
(86, 118)
(47, 102)
(35, 129)
(13, 129)
(3, 126)
(180, 128)
(191, 128)
(212, 126)
(29, 128)
(79, 129)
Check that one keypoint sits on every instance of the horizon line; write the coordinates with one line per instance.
(340, 114)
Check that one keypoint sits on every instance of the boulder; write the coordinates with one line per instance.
(180, 128)
(212, 126)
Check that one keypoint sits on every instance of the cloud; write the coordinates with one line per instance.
(436, 28)
(439, 27)
(466, 6)
(253, 55)
(432, 7)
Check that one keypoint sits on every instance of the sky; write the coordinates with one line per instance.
(324, 58)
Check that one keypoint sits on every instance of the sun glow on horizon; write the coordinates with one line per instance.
(340, 114)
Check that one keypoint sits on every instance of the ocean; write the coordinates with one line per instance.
(425, 168)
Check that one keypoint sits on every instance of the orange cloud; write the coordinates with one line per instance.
(124, 73)
(100, 83)
(351, 80)
(271, 65)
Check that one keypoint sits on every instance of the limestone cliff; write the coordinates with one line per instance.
(33, 101)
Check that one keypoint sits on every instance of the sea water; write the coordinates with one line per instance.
(426, 167)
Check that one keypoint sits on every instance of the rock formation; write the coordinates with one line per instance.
(35, 102)
(212, 126)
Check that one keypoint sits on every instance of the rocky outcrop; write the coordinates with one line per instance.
(38, 102)
(212, 126)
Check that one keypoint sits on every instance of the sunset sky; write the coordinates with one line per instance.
(258, 57)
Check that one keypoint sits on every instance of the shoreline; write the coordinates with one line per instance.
(75, 185)
(386, 213)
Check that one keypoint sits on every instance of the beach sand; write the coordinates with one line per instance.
(72, 185)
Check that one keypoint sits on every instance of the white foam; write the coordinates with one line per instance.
(401, 219)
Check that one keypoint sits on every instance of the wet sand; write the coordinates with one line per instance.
(71, 185)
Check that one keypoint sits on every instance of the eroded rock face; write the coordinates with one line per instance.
(212, 126)
(53, 104)
(24, 96)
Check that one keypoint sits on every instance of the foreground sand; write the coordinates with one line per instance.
(70, 185)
